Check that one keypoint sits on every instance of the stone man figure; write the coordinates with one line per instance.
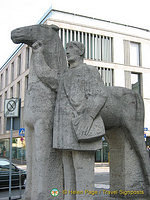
(78, 126)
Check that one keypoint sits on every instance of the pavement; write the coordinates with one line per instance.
(101, 169)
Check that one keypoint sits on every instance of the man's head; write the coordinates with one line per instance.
(74, 51)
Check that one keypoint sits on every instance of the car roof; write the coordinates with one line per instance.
(4, 159)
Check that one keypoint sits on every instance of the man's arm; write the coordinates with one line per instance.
(47, 75)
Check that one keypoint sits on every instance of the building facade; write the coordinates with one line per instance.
(119, 52)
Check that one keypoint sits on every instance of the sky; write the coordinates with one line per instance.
(18, 13)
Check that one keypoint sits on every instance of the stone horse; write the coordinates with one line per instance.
(124, 109)
(48, 61)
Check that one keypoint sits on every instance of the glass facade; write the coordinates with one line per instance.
(136, 82)
(18, 148)
(97, 47)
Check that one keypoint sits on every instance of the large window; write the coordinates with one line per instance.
(134, 54)
(136, 82)
(97, 47)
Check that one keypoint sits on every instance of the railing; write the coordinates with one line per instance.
(17, 182)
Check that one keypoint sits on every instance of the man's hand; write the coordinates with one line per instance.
(37, 46)
(82, 125)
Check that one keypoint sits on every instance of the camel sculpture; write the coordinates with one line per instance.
(48, 61)
(123, 108)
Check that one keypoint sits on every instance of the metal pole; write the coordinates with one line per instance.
(21, 155)
(10, 157)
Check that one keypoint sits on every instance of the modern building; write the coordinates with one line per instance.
(120, 53)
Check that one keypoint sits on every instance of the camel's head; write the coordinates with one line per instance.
(31, 34)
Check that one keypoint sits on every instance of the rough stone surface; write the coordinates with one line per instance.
(78, 127)
(124, 108)
(82, 103)
(82, 98)
(48, 61)
(125, 171)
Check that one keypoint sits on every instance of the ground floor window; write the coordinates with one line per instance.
(18, 148)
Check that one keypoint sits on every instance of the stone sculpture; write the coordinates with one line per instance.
(81, 100)
(110, 107)
(48, 61)
(80, 97)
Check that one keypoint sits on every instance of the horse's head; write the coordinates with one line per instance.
(31, 34)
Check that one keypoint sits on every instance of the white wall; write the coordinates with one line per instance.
(119, 79)
(147, 114)
(118, 50)
(146, 54)
(146, 85)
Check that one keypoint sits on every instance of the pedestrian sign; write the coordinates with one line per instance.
(22, 132)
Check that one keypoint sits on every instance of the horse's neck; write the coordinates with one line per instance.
(54, 57)
(56, 51)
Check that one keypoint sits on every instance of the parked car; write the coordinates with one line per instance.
(16, 173)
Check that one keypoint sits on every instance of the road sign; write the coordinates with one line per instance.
(22, 132)
(144, 135)
(145, 129)
(11, 107)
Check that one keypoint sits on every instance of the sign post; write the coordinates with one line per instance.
(11, 110)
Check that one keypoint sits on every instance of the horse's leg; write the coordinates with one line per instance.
(133, 121)
(47, 163)
(29, 150)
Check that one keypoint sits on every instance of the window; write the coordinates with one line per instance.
(26, 82)
(0, 103)
(0, 124)
(11, 92)
(97, 47)
(6, 95)
(19, 65)
(134, 54)
(6, 77)
(1, 81)
(27, 57)
(136, 82)
(106, 75)
(12, 71)
(19, 89)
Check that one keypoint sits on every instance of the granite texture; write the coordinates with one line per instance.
(84, 110)
(48, 61)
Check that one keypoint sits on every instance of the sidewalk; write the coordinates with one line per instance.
(102, 167)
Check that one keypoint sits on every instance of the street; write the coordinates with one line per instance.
(101, 182)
